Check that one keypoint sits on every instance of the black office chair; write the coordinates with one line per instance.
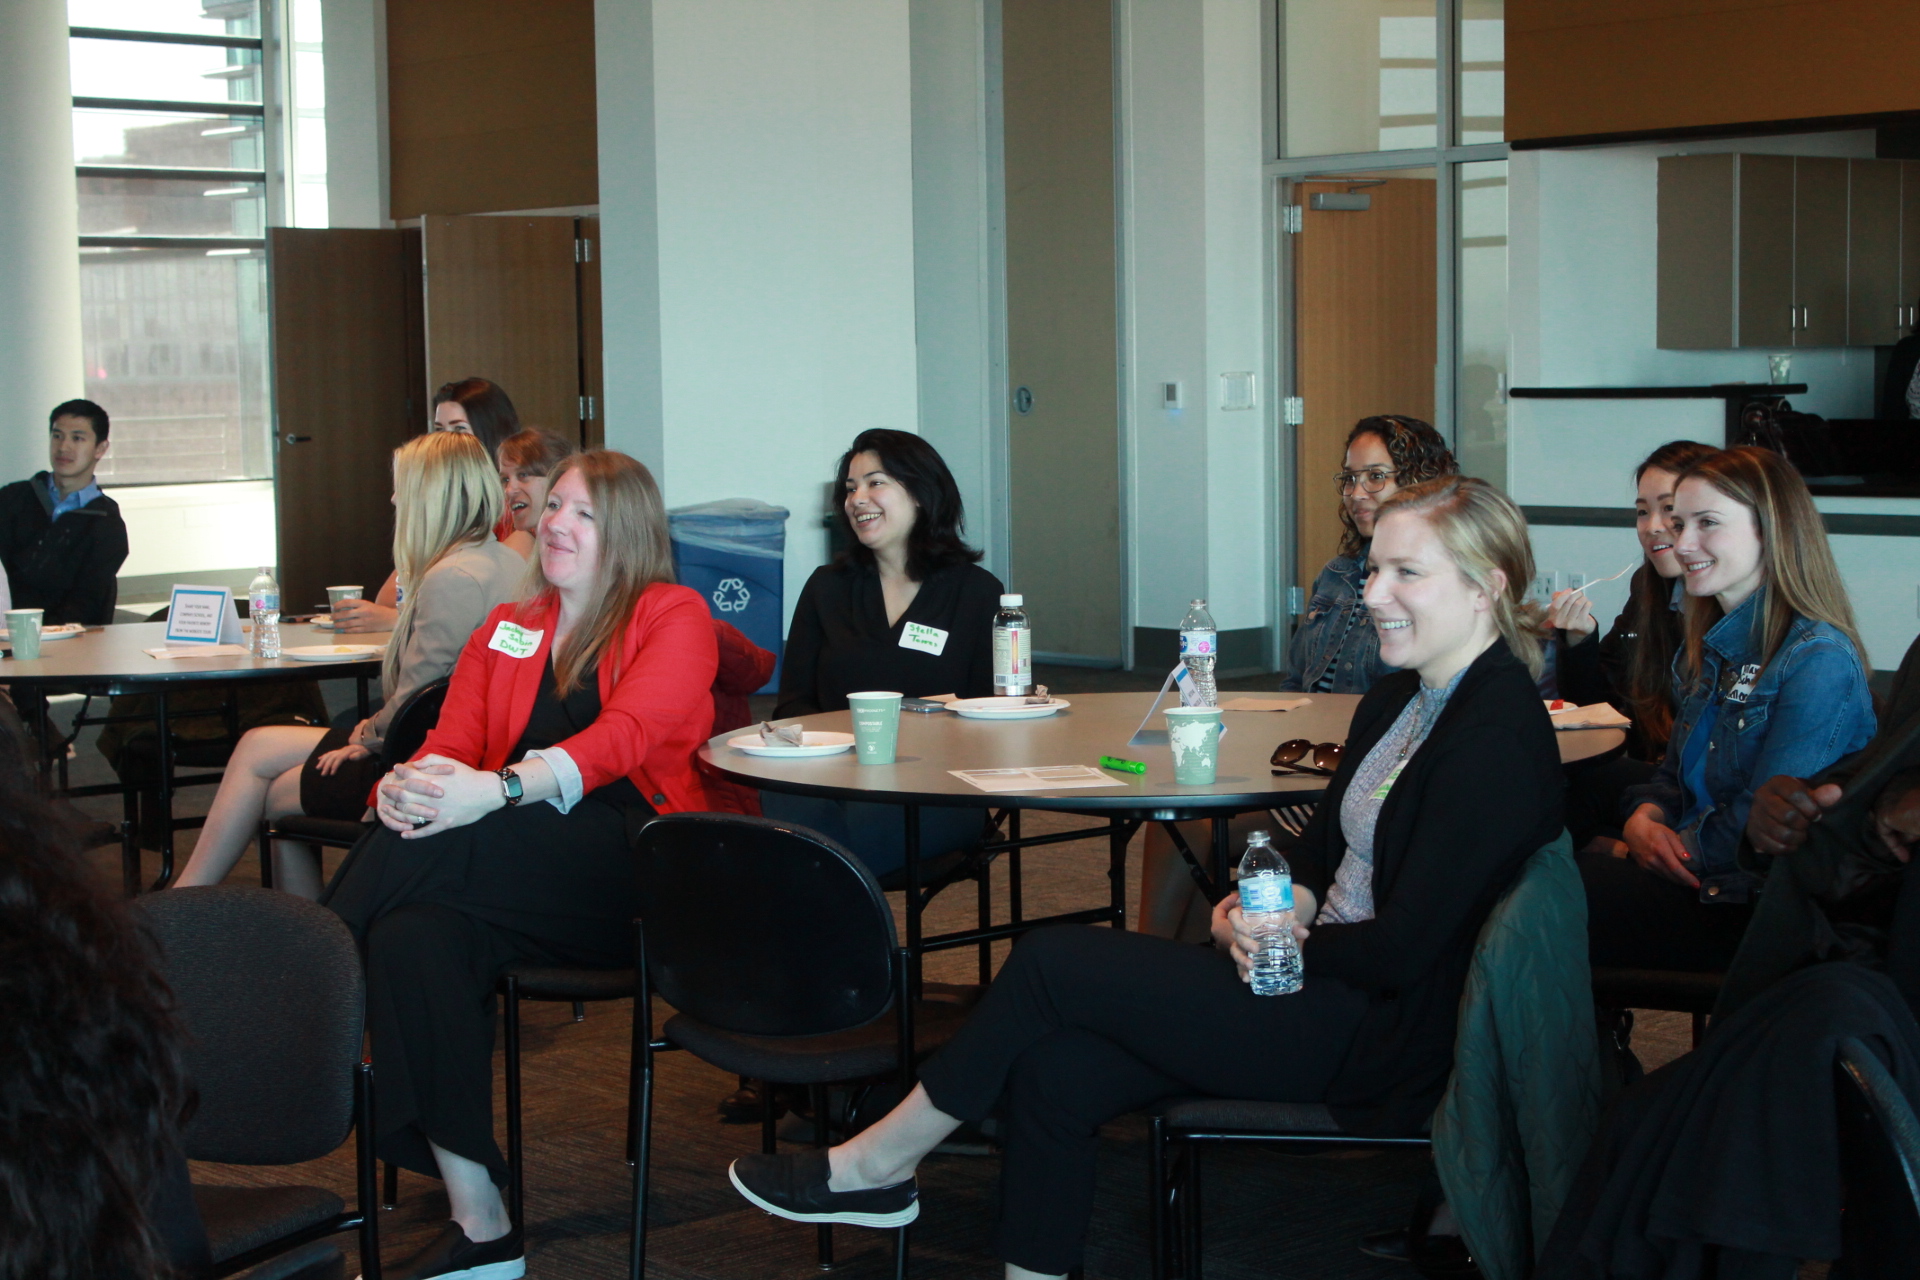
(411, 725)
(776, 948)
(270, 991)
(1879, 1168)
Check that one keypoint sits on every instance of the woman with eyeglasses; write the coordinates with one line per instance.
(1334, 649)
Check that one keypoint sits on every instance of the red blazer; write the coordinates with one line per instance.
(744, 667)
(656, 704)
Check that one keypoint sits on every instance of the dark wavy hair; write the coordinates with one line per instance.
(1418, 454)
(92, 1088)
(489, 410)
(935, 543)
(1652, 617)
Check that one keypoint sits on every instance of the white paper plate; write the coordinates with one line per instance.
(65, 631)
(322, 623)
(1006, 708)
(818, 743)
(332, 652)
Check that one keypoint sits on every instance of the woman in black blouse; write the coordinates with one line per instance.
(907, 608)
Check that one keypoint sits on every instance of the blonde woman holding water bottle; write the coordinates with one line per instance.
(1450, 782)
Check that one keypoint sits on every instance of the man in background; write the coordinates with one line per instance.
(62, 541)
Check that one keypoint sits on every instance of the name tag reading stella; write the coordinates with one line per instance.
(515, 641)
(926, 639)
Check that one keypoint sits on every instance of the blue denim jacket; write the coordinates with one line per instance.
(1797, 715)
(1337, 632)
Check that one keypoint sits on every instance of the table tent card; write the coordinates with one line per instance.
(203, 616)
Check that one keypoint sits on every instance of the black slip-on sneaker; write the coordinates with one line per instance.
(452, 1256)
(795, 1187)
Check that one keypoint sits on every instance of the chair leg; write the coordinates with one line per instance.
(579, 1011)
(639, 1135)
(515, 1163)
(984, 879)
(817, 1095)
(390, 1193)
(900, 1243)
(266, 853)
(768, 1142)
(1157, 1198)
(1193, 1243)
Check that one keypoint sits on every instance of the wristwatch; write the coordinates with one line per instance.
(510, 783)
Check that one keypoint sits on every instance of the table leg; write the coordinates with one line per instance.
(913, 898)
(164, 740)
(1119, 836)
(130, 839)
(360, 682)
(1014, 907)
(1209, 886)
(1220, 875)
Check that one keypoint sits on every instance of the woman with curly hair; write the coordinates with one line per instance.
(92, 1089)
(1334, 650)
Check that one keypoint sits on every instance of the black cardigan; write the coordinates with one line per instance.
(1481, 794)
(839, 641)
(65, 566)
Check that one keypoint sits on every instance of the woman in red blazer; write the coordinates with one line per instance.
(573, 716)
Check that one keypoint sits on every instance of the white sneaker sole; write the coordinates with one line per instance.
(898, 1218)
(512, 1269)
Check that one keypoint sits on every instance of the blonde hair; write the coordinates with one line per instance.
(1483, 533)
(634, 554)
(1801, 577)
(446, 495)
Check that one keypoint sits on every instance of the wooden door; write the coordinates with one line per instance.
(1064, 485)
(1364, 309)
(1765, 267)
(502, 303)
(346, 393)
(1874, 300)
(1820, 250)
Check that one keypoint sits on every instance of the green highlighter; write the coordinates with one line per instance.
(1125, 766)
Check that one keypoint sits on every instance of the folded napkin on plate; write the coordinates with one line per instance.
(782, 735)
(1598, 716)
(203, 651)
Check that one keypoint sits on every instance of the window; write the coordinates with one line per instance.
(1406, 91)
(177, 163)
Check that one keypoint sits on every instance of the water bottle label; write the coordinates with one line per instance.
(1265, 893)
(1012, 656)
(1197, 643)
(266, 601)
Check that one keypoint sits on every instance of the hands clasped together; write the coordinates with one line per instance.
(435, 794)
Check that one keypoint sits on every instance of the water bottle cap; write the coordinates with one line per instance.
(1262, 836)
(1012, 600)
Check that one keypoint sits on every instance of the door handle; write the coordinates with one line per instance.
(291, 438)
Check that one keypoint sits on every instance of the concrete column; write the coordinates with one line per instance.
(40, 358)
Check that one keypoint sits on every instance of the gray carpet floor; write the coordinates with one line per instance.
(1267, 1215)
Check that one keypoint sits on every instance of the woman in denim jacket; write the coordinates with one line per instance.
(1335, 649)
(1772, 679)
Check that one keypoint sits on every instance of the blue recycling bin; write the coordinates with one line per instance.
(733, 552)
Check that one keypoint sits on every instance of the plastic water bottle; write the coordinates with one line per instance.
(263, 607)
(1012, 649)
(1199, 647)
(1266, 900)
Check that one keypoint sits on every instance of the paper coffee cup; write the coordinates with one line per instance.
(876, 726)
(336, 594)
(23, 627)
(1194, 735)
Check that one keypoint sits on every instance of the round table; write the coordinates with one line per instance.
(1096, 724)
(112, 661)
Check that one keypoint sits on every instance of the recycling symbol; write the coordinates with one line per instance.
(731, 596)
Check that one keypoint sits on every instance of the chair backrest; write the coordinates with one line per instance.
(269, 989)
(414, 720)
(1879, 1165)
(761, 927)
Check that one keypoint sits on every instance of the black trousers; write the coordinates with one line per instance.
(1639, 920)
(1085, 1024)
(438, 920)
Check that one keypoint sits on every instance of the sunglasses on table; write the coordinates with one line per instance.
(1297, 755)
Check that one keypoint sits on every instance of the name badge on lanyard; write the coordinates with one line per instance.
(924, 639)
(515, 641)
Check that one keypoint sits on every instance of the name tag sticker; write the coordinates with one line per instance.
(926, 639)
(1386, 784)
(515, 641)
(1743, 684)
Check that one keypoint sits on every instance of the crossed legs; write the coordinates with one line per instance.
(262, 781)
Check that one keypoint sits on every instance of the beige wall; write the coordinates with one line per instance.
(491, 105)
(1579, 68)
